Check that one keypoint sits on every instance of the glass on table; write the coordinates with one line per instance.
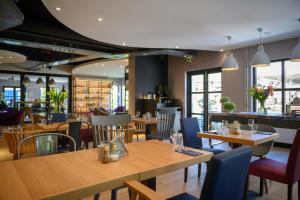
(49, 117)
(251, 124)
(138, 114)
(177, 141)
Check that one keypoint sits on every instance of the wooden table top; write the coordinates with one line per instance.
(246, 137)
(78, 174)
(152, 120)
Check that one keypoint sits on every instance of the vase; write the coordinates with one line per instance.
(262, 109)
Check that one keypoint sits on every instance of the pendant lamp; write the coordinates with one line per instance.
(261, 59)
(230, 62)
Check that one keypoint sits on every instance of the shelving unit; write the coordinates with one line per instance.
(91, 93)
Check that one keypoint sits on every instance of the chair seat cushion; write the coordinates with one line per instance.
(269, 169)
(214, 151)
(86, 134)
(183, 196)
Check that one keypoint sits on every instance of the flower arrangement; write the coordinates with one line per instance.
(227, 104)
(261, 94)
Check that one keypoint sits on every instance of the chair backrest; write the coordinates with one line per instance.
(226, 175)
(27, 112)
(45, 144)
(106, 128)
(74, 130)
(58, 117)
(190, 127)
(293, 165)
(166, 120)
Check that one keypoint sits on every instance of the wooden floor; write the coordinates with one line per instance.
(171, 184)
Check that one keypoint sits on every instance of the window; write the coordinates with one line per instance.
(204, 94)
(284, 76)
(10, 88)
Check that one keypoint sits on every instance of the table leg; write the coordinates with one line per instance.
(148, 130)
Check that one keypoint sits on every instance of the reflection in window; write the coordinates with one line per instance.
(10, 89)
(292, 74)
(269, 75)
(197, 83)
(214, 82)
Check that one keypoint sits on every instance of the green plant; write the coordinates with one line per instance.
(225, 99)
(229, 106)
(57, 98)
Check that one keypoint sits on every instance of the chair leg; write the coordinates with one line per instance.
(114, 194)
(266, 186)
(290, 192)
(186, 170)
(86, 145)
(96, 196)
(137, 137)
(261, 186)
(199, 170)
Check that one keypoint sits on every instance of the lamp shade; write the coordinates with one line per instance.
(52, 82)
(230, 63)
(26, 81)
(261, 59)
(39, 81)
(295, 56)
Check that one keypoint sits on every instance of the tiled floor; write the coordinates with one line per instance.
(171, 184)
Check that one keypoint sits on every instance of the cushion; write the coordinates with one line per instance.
(86, 134)
(269, 169)
(183, 196)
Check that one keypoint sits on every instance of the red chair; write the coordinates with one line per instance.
(86, 135)
(286, 173)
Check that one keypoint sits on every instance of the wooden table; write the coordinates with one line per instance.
(246, 137)
(78, 174)
(148, 123)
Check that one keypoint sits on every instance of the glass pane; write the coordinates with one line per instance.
(197, 103)
(291, 96)
(8, 83)
(214, 104)
(200, 121)
(269, 75)
(292, 74)
(273, 103)
(197, 83)
(214, 82)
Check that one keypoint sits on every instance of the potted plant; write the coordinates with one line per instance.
(227, 104)
(57, 99)
(261, 94)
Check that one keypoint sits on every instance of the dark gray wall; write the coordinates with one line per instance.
(150, 72)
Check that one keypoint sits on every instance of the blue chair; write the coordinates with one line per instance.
(225, 178)
(190, 127)
(58, 117)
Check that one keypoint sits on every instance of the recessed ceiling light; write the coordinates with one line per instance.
(100, 19)
(0, 62)
(123, 43)
(102, 64)
(121, 65)
(104, 73)
(1, 57)
(58, 9)
(10, 57)
(221, 50)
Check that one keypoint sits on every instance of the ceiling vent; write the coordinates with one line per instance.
(10, 15)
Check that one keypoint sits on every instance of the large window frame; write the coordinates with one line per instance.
(205, 92)
(283, 88)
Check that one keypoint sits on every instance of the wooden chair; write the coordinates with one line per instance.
(139, 130)
(44, 144)
(138, 191)
(165, 125)
(107, 128)
(14, 135)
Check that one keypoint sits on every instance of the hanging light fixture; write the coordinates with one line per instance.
(230, 62)
(39, 81)
(51, 82)
(26, 81)
(260, 59)
(295, 56)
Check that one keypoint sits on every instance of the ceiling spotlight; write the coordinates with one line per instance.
(58, 9)
(1, 57)
(10, 57)
(102, 64)
(123, 43)
(100, 19)
(221, 50)
(0, 62)
(176, 47)
(121, 65)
